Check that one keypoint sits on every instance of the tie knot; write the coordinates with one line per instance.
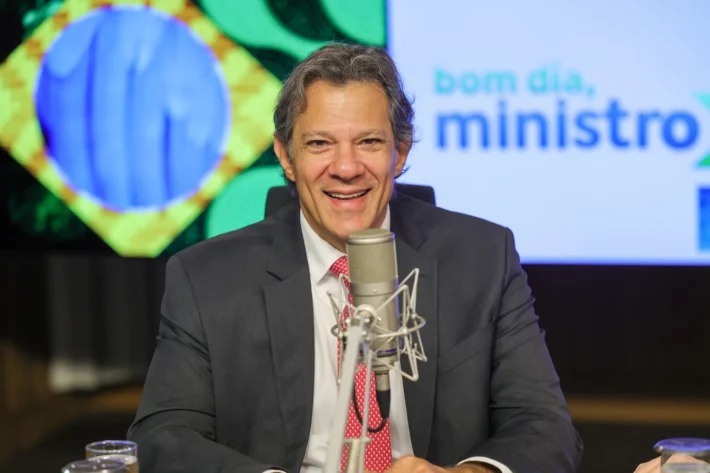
(340, 266)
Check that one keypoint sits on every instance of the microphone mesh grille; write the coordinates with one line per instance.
(371, 256)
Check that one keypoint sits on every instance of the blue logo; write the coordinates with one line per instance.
(507, 128)
(704, 228)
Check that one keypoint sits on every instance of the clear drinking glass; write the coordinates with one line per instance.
(123, 450)
(96, 466)
(684, 455)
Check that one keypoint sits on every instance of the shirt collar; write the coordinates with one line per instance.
(320, 254)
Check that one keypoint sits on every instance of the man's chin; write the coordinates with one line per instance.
(343, 233)
(343, 226)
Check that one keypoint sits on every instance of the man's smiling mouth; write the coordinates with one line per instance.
(349, 196)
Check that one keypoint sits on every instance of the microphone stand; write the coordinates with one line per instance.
(357, 334)
(361, 332)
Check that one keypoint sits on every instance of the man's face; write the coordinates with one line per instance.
(344, 158)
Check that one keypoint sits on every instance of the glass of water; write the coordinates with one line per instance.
(96, 466)
(123, 450)
(684, 455)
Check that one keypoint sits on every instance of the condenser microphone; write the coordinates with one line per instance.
(372, 266)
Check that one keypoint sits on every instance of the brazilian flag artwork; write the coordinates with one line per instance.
(148, 124)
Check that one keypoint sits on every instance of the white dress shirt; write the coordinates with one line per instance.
(321, 255)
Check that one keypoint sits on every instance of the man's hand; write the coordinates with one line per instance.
(411, 464)
(654, 466)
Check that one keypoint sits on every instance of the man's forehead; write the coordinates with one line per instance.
(355, 96)
(355, 115)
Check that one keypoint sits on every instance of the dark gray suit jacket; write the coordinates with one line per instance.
(230, 387)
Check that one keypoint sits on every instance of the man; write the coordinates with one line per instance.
(244, 373)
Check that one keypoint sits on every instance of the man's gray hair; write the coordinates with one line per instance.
(340, 64)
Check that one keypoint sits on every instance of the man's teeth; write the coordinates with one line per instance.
(347, 196)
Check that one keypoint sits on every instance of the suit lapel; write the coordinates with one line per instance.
(419, 395)
(289, 310)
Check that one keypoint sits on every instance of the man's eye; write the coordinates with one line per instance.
(371, 141)
(317, 143)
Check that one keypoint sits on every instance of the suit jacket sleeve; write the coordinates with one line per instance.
(531, 427)
(175, 423)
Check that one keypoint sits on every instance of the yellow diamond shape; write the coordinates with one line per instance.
(252, 95)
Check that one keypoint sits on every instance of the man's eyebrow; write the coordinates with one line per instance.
(372, 132)
(316, 134)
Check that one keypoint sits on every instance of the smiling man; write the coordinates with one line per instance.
(343, 155)
(244, 377)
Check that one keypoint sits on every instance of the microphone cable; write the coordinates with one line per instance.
(359, 416)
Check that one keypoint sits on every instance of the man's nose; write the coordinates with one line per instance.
(346, 164)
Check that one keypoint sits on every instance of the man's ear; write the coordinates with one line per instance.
(402, 152)
(281, 152)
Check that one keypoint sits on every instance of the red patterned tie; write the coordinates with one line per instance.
(378, 454)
